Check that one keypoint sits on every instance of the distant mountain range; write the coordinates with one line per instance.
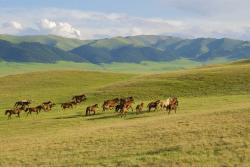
(134, 49)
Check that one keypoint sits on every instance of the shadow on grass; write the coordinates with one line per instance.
(101, 116)
(130, 115)
(69, 116)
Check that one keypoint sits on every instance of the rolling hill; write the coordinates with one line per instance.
(51, 40)
(211, 126)
(134, 49)
(34, 52)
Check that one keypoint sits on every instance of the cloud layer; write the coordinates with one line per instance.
(89, 25)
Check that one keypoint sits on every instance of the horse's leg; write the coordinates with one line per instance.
(9, 117)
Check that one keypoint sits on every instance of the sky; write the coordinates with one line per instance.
(95, 19)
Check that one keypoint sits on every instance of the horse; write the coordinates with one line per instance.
(153, 105)
(40, 108)
(66, 105)
(90, 109)
(79, 98)
(172, 105)
(122, 102)
(30, 110)
(126, 106)
(110, 104)
(48, 105)
(22, 103)
(139, 108)
(165, 103)
(13, 112)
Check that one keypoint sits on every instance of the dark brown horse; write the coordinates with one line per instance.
(22, 103)
(15, 111)
(153, 105)
(40, 108)
(66, 105)
(30, 110)
(91, 109)
(79, 98)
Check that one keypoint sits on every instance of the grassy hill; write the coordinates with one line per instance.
(51, 40)
(211, 127)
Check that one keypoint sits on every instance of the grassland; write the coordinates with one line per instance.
(11, 68)
(211, 127)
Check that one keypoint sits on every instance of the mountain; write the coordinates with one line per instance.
(133, 49)
(34, 52)
(162, 48)
(51, 40)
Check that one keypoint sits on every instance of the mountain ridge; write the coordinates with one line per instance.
(134, 49)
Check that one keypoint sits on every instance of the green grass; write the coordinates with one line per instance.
(211, 127)
(11, 68)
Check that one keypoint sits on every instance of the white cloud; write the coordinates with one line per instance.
(11, 27)
(58, 28)
(47, 24)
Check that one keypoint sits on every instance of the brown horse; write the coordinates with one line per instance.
(66, 105)
(110, 104)
(22, 103)
(79, 98)
(139, 108)
(48, 105)
(122, 102)
(173, 104)
(91, 109)
(126, 106)
(15, 111)
(40, 108)
(30, 110)
(153, 105)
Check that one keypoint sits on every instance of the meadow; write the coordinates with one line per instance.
(211, 126)
(12, 68)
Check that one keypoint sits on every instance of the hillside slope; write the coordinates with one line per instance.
(34, 52)
(211, 126)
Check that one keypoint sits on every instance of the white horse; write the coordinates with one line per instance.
(165, 103)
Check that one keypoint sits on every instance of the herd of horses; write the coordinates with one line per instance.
(120, 105)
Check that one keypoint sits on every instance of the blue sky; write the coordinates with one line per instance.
(88, 19)
(131, 7)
